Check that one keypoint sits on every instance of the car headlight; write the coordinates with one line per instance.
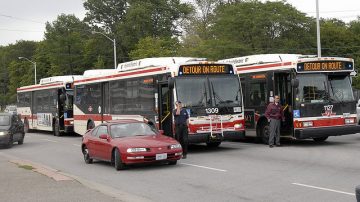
(131, 150)
(3, 133)
(175, 146)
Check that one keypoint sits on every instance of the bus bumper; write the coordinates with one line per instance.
(69, 129)
(216, 137)
(328, 131)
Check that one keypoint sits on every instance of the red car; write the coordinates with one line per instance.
(124, 142)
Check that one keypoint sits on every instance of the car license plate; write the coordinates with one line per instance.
(161, 156)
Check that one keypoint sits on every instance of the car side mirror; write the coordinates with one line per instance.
(295, 83)
(161, 132)
(104, 137)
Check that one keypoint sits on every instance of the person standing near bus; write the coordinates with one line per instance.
(181, 126)
(275, 115)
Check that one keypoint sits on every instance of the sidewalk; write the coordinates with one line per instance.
(19, 182)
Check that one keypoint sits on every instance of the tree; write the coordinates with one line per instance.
(155, 47)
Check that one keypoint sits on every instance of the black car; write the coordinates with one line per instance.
(11, 129)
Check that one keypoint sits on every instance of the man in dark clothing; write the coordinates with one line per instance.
(181, 126)
(275, 115)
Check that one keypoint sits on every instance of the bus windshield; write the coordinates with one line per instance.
(208, 91)
(193, 91)
(340, 88)
(315, 88)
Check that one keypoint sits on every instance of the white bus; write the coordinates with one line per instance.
(47, 106)
(315, 92)
(211, 93)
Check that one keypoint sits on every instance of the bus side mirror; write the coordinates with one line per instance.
(62, 97)
(295, 83)
(171, 82)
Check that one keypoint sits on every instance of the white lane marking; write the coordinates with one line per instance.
(76, 145)
(49, 140)
(188, 164)
(325, 189)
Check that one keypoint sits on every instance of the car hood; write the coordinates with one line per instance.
(145, 141)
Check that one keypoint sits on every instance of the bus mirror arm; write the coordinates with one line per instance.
(295, 83)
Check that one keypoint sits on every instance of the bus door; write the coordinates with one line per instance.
(165, 108)
(61, 104)
(283, 88)
(104, 109)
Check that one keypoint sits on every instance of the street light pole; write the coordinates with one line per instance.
(114, 42)
(318, 29)
(34, 63)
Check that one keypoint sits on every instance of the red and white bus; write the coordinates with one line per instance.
(47, 106)
(211, 93)
(315, 92)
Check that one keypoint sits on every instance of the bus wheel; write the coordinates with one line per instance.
(26, 126)
(265, 132)
(213, 144)
(90, 125)
(56, 128)
(320, 139)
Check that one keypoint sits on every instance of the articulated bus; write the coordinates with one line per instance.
(315, 94)
(47, 106)
(210, 92)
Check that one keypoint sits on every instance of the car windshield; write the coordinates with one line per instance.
(4, 120)
(131, 129)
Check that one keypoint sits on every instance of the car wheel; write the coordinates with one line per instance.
(173, 162)
(21, 141)
(213, 144)
(87, 158)
(26, 126)
(119, 165)
(320, 139)
(10, 142)
(56, 128)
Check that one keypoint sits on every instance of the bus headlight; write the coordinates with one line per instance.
(133, 150)
(349, 121)
(3, 133)
(238, 125)
(307, 124)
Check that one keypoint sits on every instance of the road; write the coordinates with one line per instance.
(236, 171)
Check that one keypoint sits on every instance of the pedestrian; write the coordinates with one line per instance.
(275, 115)
(181, 127)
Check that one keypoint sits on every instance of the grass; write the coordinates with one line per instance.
(26, 167)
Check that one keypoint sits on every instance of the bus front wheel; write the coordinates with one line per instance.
(265, 132)
(56, 128)
(90, 125)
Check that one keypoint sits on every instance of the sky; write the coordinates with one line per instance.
(25, 19)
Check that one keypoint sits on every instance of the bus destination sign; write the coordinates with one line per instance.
(326, 66)
(203, 69)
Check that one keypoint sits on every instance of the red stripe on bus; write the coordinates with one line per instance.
(29, 116)
(121, 75)
(38, 87)
(263, 66)
(94, 117)
(321, 123)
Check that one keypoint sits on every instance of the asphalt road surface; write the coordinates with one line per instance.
(236, 171)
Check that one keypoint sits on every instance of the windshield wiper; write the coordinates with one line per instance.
(204, 96)
(216, 96)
